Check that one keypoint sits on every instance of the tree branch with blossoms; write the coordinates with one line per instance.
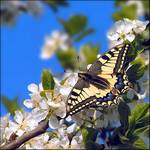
(40, 129)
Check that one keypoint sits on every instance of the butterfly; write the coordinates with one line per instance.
(103, 82)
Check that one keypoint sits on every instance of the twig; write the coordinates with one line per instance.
(41, 128)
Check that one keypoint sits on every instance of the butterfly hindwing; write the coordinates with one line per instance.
(80, 97)
(103, 82)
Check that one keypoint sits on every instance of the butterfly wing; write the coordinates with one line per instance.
(102, 83)
(112, 62)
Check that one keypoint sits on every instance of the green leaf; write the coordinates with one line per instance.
(83, 34)
(139, 118)
(136, 71)
(140, 111)
(144, 130)
(76, 27)
(124, 139)
(47, 80)
(144, 121)
(84, 135)
(89, 134)
(125, 12)
(11, 105)
(68, 58)
(75, 24)
(90, 53)
(43, 94)
(139, 143)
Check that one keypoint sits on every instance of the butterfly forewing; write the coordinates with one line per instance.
(112, 62)
(103, 82)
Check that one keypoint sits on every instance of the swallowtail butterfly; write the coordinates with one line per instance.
(103, 83)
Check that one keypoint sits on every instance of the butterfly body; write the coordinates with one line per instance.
(103, 82)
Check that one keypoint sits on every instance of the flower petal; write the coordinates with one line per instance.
(39, 115)
(18, 117)
(8, 132)
(28, 103)
(139, 26)
(61, 111)
(65, 91)
(4, 121)
(52, 104)
(33, 88)
(14, 126)
(44, 104)
(53, 122)
(130, 37)
(20, 132)
(71, 128)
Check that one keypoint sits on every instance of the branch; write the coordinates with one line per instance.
(41, 128)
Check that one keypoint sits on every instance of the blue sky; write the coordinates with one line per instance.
(21, 44)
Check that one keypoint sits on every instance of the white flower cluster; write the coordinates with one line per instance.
(52, 104)
(47, 105)
(60, 140)
(97, 118)
(125, 30)
(23, 122)
(11, 9)
(57, 40)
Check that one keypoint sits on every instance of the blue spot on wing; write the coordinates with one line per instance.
(105, 57)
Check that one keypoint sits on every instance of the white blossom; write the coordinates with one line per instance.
(10, 9)
(37, 102)
(58, 108)
(72, 78)
(144, 85)
(109, 118)
(57, 40)
(35, 96)
(139, 26)
(125, 30)
(39, 142)
(91, 117)
(76, 142)
(60, 141)
(5, 133)
(53, 105)
(23, 122)
(86, 116)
